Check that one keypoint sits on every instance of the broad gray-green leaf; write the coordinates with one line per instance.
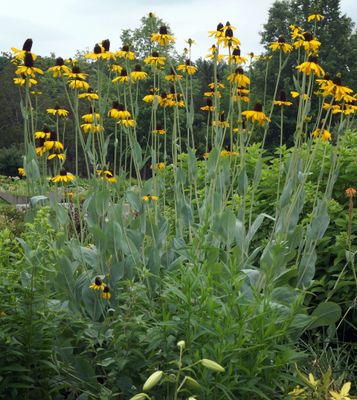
(325, 314)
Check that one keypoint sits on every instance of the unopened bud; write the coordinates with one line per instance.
(181, 344)
(192, 383)
(153, 380)
(212, 365)
(140, 396)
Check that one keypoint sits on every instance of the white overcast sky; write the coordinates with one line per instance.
(65, 26)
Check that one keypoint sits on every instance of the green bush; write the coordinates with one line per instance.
(10, 160)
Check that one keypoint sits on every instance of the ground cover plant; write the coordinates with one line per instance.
(166, 255)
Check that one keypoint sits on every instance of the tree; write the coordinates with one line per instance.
(139, 39)
(338, 52)
(335, 32)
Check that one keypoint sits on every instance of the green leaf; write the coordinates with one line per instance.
(325, 314)
(320, 222)
(286, 194)
(192, 164)
(243, 182)
(35, 200)
(134, 200)
(306, 270)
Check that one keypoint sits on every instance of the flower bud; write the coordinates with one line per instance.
(212, 365)
(139, 396)
(152, 380)
(192, 383)
(181, 344)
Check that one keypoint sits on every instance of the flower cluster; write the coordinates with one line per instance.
(99, 285)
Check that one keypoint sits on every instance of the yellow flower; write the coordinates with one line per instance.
(295, 94)
(221, 123)
(96, 53)
(106, 295)
(166, 101)
(214, 54)
(349, 108)
(138, 74)
(159, 130)
(213, 85)
(325, 82)
(108, 175)
(91, 117)
(57, 110)
(173, 99)
(76, 73)
(44, 134)
(78, 84)
(159, 166)
(239, 78)
(163, 38)
(150, 197)
(63, 176)
(311, 67)
(26, 48)
(28, 68)
(282, 103)
(122, 78)
(60, 156)
(92, 127)
(336, 108)
(209, 106)
(173, 76)
(226, 153)
(101, 51)
(282, 100)
(256, 115)
(296, 32)
(126, 122)
(149, 98)
(22, 81)
(315, 17)
(218, 33)
(59, 69)
(125, 53)
(118, 111)
(310, 44)
(98, 284)
(52, 143)
(188, 68)
(281, 45)
(337, 90)
(106, 53)
(241, 98)
(228, 38)
(41, 149)
(116, 68)
(21, 171)
(236, 57)
(213, 93)
(155, 59)
(89, 95)
(325, 135)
